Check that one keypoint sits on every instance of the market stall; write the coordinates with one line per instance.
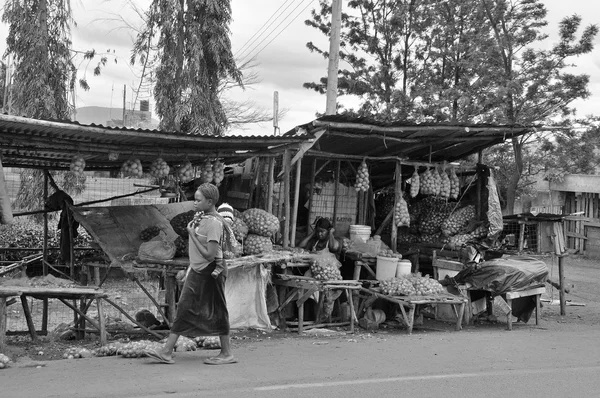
(177, 161)
(431, 197)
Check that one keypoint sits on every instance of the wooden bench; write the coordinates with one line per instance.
(408, 304)
(300, 289)
(532, 291)
(535, 291)
(62, 294)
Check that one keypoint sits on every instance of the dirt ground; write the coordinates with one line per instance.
(582, 276)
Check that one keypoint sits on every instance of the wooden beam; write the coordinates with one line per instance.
(286, 197)
(313, 174)
(373, 135)
(296, 201)
(397, 198)
(335, 192)
(397, 129)
(271, 185)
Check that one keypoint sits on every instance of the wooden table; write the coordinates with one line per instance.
(302, 288)
(408, 304)
(536, 291)
(61, 293)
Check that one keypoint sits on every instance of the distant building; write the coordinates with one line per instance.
(113, 117)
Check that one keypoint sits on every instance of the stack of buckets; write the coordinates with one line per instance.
(390, 267)
(360, 231)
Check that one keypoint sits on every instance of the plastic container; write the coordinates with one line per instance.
(386, 268)
(360, 231)
(403, 268)
(375, 244)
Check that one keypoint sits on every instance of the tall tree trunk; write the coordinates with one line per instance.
(513, 183)
(179, 54)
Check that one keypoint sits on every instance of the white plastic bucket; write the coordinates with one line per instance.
(403, 268)
(386, 268)
(360, 231)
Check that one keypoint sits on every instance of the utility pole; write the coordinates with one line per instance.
(275, 112)
(334, 57)
(124, 99)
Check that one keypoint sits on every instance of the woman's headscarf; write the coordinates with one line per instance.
(322, 222)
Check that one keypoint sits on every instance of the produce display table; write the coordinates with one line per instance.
(408, 304)
(168, 270)
(61, 293)
(301, 288)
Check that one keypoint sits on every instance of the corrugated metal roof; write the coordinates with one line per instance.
(415, 142)
(51, 144)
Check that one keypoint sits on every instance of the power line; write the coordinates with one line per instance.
(281, 31)
(244, 48)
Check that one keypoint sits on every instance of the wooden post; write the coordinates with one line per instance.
(480, 187)
(561, 281)
(397, 197)
(45, 244)
(335, 192)
(28, 318)
(71, 243)
(271, 182)
(313, 173)
(296, 201)
(101, 322)
(2, 324)
(286, 198)
(252, 197)
(521, 236)
(45, 255)
(359, 199)
(260, 168)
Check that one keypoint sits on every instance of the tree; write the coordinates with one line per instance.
(39, 41)
(458, 60)
(44, 74)
(532, 84)
(408, 59)
(194, 56)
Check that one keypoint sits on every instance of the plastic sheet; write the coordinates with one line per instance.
(504, 274)
(494, 213)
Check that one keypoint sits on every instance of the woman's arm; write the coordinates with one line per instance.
(212, 246)
(334, 244)
(304, 241)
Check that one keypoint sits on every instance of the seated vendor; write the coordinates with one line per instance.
(322, 241)
(321, 238)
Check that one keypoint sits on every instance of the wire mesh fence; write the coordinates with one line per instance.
(514, 232)
(98, 186)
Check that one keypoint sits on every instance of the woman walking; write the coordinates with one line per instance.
(202, 310)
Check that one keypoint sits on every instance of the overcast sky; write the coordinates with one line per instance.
(284, 64)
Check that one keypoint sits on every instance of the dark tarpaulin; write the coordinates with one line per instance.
(505, 274)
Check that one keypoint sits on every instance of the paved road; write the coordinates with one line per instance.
(477, 362)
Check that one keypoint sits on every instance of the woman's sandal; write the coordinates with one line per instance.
(159, 357)
(220, 361)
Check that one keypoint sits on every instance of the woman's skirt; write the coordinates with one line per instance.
(202, 310)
